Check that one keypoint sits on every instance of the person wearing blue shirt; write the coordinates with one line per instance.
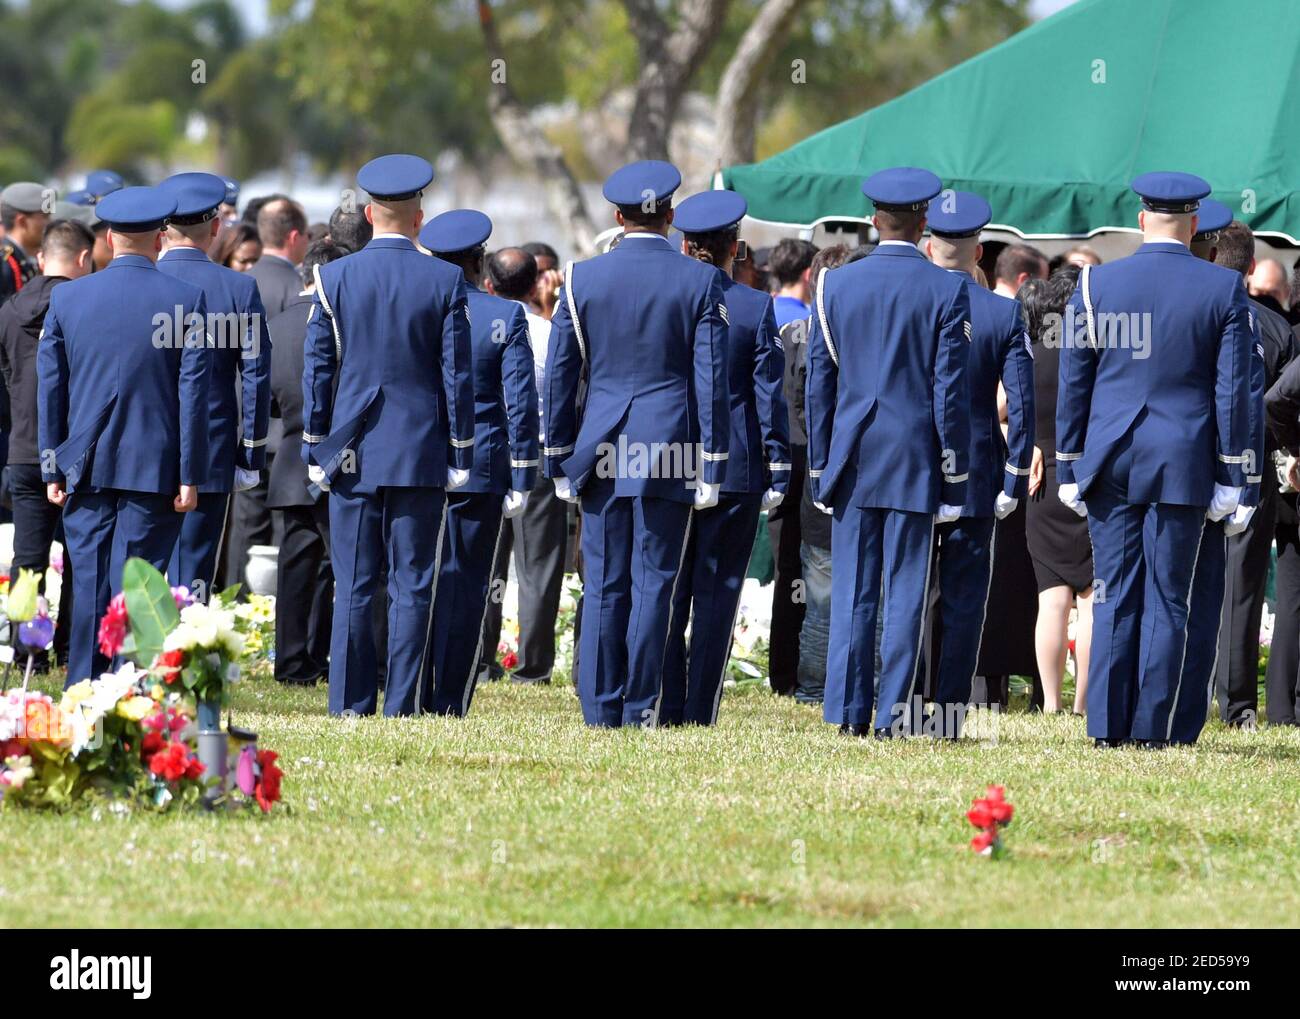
(388, 430)
(647, 327)
(790, 264)
(504, 471)
(888, 448)
(1153, 425)
(758, 472)
(123, 373)
(239, 384)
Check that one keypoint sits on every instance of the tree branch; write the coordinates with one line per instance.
(528, 145)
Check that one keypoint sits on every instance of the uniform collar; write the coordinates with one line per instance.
(644, 239)
(1163, 246)
(186, 253)
(391, 241)
(139, 261)
(904, 248)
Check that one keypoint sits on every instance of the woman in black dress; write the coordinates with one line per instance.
(1059, 545)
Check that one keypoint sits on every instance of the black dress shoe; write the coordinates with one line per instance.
(883, 734)
(855, 730)
(1151, 744)
(1106, 744)
(302, 682)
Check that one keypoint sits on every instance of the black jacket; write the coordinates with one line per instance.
(1281, 379)
(21, 320)
(287, 485)
(277, 281)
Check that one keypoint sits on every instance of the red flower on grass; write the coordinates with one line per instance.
(267, 791)
(174, 762)
(990, 813)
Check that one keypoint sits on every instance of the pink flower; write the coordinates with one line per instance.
(112, 628)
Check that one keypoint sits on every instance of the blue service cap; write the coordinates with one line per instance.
(1171, 192)
(651, 180)
(906, 188)
(197, 196)
(457, 230)
(710, 211)
(232, 191)
(958, 214)
(136, 210)
(104, 182)
(1211, 218)
(395, 178)
(82, 197)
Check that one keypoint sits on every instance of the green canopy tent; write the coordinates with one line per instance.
(1051, 125)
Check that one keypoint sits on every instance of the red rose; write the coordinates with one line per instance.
(983, 841)
(995, 794)
(980, 813)
(169, 663)
(1002, 812)
(268, 785)
(509, 660)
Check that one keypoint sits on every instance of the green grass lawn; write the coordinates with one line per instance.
(519, 815)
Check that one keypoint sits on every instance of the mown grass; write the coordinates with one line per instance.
(519, 815)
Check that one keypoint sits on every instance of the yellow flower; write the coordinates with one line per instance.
(136, 708)
(75, 694)
(20, 604)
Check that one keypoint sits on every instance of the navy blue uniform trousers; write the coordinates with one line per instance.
(465, 579)
(1144, 559)
(708, 597)
(632, 550)
(965, 569)
(104, 528)
(1204, 622)
(868, 544)
(194, 560)
(402, 524)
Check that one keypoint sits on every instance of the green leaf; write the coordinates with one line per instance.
(150, 607)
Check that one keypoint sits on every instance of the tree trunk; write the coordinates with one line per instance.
(737, 104)
(528, 145)
(669, 59)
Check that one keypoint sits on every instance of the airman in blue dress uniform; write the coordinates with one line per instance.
(1154, 429)
(1205, 606)
(123, 391)
(648, 327)
(758, 472)
(239, 384)
(388, 429)
(505, 464)
(888, 447)
(999, 469)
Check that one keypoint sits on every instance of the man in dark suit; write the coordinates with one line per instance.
(304, 587)
(282, 229)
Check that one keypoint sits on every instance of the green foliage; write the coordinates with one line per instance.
(151, 608)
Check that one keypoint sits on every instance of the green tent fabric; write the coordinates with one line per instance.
(1051, 125)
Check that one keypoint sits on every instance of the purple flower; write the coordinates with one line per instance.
(182, 596)
(36, 634)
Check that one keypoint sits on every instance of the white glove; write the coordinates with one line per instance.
(513, 504)
(1004, 506)
(1069, 494)
(564, 490)
(456, 478)
(772, 499)
(828, 510)
(947, 514)
(316, 475)
(1223, 502)
(244, 480)
(1239, 520)
(706, 495)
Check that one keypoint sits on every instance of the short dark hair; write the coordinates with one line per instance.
(1235, 248)
(540, 249)
(254, 206)
(319, 253)
(831, 257)
(513, 272)
(1040, 298)
(350, 228)
(1017, 258)
(637, 216)
(789, 259)
(66, 238)
(277, 219)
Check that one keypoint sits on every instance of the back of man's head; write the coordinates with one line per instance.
(319, 253)
(790, 259)
(513, 272)
(350, 228)
(279, 217)
(1235, 248)
(1018, 262)
(66, 247)
(547, 257)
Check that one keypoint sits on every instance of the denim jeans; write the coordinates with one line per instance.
(814, 637)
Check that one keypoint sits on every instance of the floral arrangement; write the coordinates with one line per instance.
(255, 620)
(751, 637)
(990, 814)
(132, 734)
